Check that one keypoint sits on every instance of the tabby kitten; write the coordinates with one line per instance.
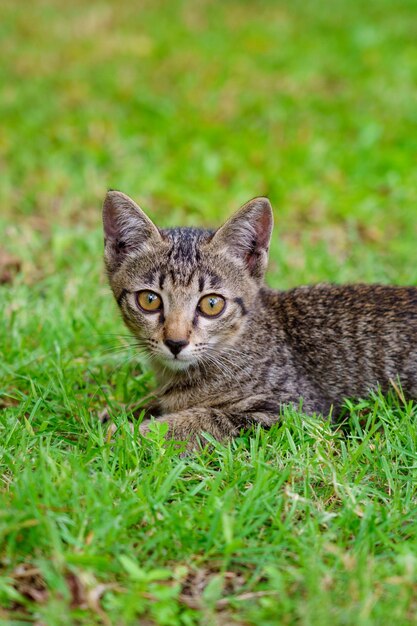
(228, 351)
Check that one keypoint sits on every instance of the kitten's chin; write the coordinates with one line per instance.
(176, 365)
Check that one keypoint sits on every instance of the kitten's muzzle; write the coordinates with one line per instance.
(176, 345)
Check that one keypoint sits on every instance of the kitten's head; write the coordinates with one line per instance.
(185, 292)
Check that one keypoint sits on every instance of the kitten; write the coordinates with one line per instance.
(228, 351)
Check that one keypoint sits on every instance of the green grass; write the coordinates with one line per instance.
(192, 108)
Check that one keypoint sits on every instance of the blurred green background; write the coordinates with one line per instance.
(192, 108)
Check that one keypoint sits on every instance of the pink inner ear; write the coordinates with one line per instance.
(110, 230)
(263, 228)
(251, 260)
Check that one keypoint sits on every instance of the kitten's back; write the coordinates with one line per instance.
(349, 338)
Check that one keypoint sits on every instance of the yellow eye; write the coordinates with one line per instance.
(211, 305)
(149, 301)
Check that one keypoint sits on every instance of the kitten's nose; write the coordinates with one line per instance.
(176, 345)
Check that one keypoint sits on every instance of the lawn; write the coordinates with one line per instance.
(192, 108)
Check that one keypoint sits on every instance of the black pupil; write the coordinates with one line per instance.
(212, 302)
(151, 297)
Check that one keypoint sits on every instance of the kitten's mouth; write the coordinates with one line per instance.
(176, 363)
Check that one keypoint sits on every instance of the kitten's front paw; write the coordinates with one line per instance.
(178, 429)
(144, 427)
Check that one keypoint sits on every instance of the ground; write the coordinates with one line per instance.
(192, 108)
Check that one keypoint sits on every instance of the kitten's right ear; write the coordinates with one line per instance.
(126, 228)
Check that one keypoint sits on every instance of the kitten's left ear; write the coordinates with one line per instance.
(247, 234)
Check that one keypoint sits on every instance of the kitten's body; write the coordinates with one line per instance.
(316, 345)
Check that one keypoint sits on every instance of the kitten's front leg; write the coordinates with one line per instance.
(189, 425)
